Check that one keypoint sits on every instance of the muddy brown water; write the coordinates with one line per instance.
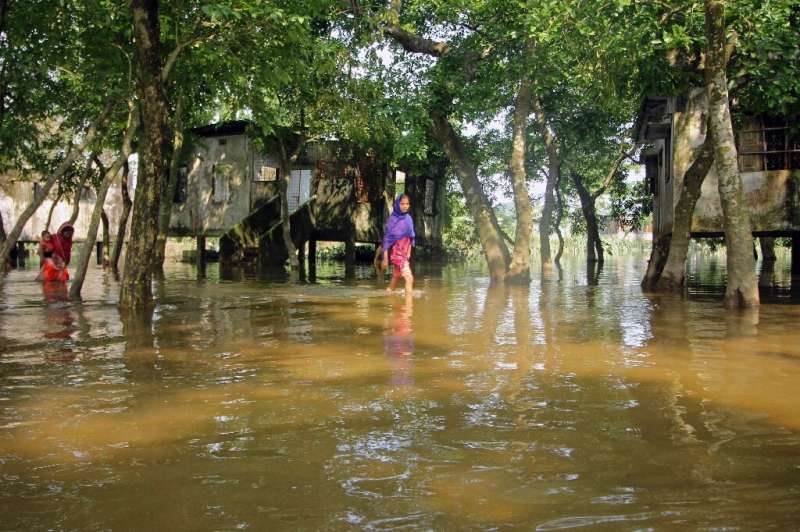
(245, 403)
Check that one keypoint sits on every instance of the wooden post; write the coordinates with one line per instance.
(99, 252)
(312, 260)
(350, 258)
(200, 255)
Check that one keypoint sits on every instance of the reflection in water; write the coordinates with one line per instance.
(258, 404)
(398, 342)
(59, 322)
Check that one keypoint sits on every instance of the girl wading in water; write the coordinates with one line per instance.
(398, 239)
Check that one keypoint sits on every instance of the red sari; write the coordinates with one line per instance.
(55, 269)
(62, 245)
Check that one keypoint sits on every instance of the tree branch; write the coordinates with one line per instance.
(411, 42)
(612, 171)
(169, 62)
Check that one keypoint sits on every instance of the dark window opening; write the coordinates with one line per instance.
(651, 164)
(181, 185)
(767, 143)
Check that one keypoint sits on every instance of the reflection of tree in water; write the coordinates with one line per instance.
(398, 341)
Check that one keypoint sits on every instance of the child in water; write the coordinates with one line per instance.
(398, 239)
(52, 265)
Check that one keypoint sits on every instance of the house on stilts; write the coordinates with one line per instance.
(228, 187)
(769, 165)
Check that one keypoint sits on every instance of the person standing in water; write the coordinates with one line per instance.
(56, 252)
(398, 239)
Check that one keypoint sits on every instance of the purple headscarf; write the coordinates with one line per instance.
(399, 225)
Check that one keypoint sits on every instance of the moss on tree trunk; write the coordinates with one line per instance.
(136, 290)
(741, 289)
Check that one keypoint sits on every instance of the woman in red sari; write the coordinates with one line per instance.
(55, 269)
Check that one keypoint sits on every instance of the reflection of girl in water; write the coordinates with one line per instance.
(398, 342)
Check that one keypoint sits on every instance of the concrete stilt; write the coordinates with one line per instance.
(350, 258)
(200, 256)
(312, 260)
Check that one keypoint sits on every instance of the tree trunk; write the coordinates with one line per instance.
(557, 223)
(165, 209)
(672, 276)
(553, 172)
(106, 238)
(286, 227)
(594, 246)
(742, 286)
(520, 268)
(136, 289)
(102, 192)
(72, 154)
(52, 208)
(76, 201)
(658, 258)
(127, 204)
(91, 237)
(494, 248)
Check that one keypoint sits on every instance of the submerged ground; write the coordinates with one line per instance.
(248, 403)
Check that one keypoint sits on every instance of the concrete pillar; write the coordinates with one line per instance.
(20, 254)
(350, 258)
(312, 260)
(301, 260)
(200, 255)
(767, 248)
(795, 253)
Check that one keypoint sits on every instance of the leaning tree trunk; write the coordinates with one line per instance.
(672, 276)
(72, 154)
(76, 201)
(91, 236)
(102, 192)
(2, 230)
(165, 209)
(106, 238)
(494, 248)
(594, 246)
(557, 223)
(742, 286)
(127, 204)
(520, 268)
(553, 171)
(50, 212)
(658, 258)
(136, 289)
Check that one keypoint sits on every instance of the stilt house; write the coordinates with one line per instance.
(769, 165)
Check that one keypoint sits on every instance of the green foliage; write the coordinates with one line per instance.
(631, 204)
(459, 236)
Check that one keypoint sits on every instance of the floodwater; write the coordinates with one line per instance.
(243, 403)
